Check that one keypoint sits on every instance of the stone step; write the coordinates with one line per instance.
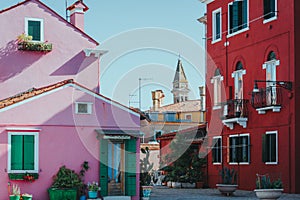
(117, 198)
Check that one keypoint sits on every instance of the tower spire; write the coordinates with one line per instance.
(180, 84)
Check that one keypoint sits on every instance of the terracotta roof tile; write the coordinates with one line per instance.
(31, 93)
(185, 106)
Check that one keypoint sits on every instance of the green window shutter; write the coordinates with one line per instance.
(130, 167)
(16, 152)
(28, 152)
(239, 148)
(264, 148)
(273, 147)
(272, 8)
(34, 30)
(244, 13)
(214, 151)
(103, 167)
(266, 8)
(218, 25)
(235, 15)
(230, 19)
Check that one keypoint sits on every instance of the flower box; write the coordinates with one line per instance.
(23, 176)
(34, 46)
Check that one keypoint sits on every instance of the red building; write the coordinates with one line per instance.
(252, 110)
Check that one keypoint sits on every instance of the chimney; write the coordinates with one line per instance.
(77, 11)
(157, 99)
(202, 97)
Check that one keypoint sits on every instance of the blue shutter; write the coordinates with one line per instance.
(130, 167)
(16, 152)
(103, 167)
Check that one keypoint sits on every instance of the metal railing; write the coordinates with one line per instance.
(265, 97)
(235, 108)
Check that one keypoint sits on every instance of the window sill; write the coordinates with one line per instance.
(271, 163)
(217, 107)
(264, 109)
(217, 163)
(269, 20)
(217, 40)
(238, 32)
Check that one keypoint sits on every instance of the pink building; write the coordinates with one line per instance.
(49, 89)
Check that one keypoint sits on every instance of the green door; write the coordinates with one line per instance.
(103, 167)
(130, 167)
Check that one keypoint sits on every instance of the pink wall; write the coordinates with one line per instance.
(65, 138)
(21, 70)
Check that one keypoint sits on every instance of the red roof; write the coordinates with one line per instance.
(33, 92)
(78, 3)
(55, 13)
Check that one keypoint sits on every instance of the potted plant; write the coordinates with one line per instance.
(16, 193)
(26, 196)
(66, 184)
(145, 176)
(267, 189)
(229, 178)
(93, 189)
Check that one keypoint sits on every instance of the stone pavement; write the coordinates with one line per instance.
(165, 193)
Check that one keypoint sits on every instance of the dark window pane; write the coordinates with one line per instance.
(34, 30)
(218, 24)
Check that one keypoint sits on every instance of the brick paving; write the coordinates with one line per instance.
(165, 193)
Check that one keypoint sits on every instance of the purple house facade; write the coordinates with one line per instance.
(51, 113)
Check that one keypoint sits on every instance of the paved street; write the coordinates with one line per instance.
(165, 193)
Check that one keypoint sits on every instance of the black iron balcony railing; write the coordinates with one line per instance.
(235, 108)
(35, 46)
(266, 97)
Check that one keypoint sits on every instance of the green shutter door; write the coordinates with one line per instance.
(34, 30)
(16, 152)
(103, 167)
(264, 148)
(28, 152)
(130, 167)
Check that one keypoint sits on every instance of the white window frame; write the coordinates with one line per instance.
(89, 108)
(249, 155)
(228, 20)
(41, 28)
(236, 75)
(276, 134)
(272, 18)
(36, 152)
(214, 34)
(217, 93)
(218, 163)
(271, 65)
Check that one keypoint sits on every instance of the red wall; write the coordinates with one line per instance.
(251, 48)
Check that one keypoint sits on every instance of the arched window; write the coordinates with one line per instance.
(216, 81)
(238, 80)
(270, 66)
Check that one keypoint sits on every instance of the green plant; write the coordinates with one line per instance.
(229, 176)
(264, 182)
(83, 187)
(16, 191)
(94, 186)
(24, 38)
(146, 167)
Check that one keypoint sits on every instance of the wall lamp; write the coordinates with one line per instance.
(284, 84)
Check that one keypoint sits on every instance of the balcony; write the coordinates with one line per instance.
(235, 111)
(34, 46)
(269, 98)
